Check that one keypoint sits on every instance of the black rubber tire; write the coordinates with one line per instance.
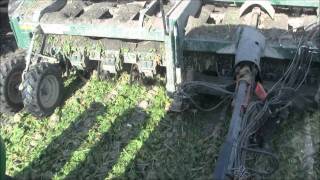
(31, 92)
(11, 68)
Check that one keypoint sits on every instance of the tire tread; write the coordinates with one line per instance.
(30, 88)
(7, 65)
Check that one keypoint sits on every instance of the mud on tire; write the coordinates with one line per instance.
(11, 68)
(42, 89)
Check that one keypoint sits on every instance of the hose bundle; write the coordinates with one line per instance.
(259, 112)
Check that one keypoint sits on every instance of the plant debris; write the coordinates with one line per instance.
(108, 130)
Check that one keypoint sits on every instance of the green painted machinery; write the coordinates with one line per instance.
(167, 37)
(226, 46)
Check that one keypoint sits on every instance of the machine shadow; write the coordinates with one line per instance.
(191, 139)
(104, 154)
(297, 138)
(71, 88)
(63, 146)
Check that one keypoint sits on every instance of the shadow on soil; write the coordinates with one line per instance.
(103, 156)
(180, 146)
(297, 144)
(191, 139)
(176, 140)
(183, 146)
(62, 147)
(71, 88)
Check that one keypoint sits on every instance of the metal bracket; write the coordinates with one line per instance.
(109, 64)
(78, 59)
(130, 57)
(147, 67)
(265, 4)
(29, 53)
(144, 12)
(49, 59)
(52, 7)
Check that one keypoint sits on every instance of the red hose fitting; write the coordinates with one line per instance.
(260, 91)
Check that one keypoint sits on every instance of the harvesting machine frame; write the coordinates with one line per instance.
(162, 34)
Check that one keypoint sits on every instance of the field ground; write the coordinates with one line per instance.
(108, 130)
(113, 130)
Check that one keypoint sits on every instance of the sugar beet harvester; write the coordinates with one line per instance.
(217, 47)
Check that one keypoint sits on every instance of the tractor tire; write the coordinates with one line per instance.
(11, 69)
(42, 89)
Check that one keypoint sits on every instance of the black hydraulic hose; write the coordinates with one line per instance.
(265, 153)
(227, 152)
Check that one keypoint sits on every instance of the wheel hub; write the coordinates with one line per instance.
(49, 91)
(13, 88)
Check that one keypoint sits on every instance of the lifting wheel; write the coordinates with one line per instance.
(42, 89)
(10, 79)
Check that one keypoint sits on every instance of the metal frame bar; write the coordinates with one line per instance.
(115, 31)
(297, 3)
(176, 21)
